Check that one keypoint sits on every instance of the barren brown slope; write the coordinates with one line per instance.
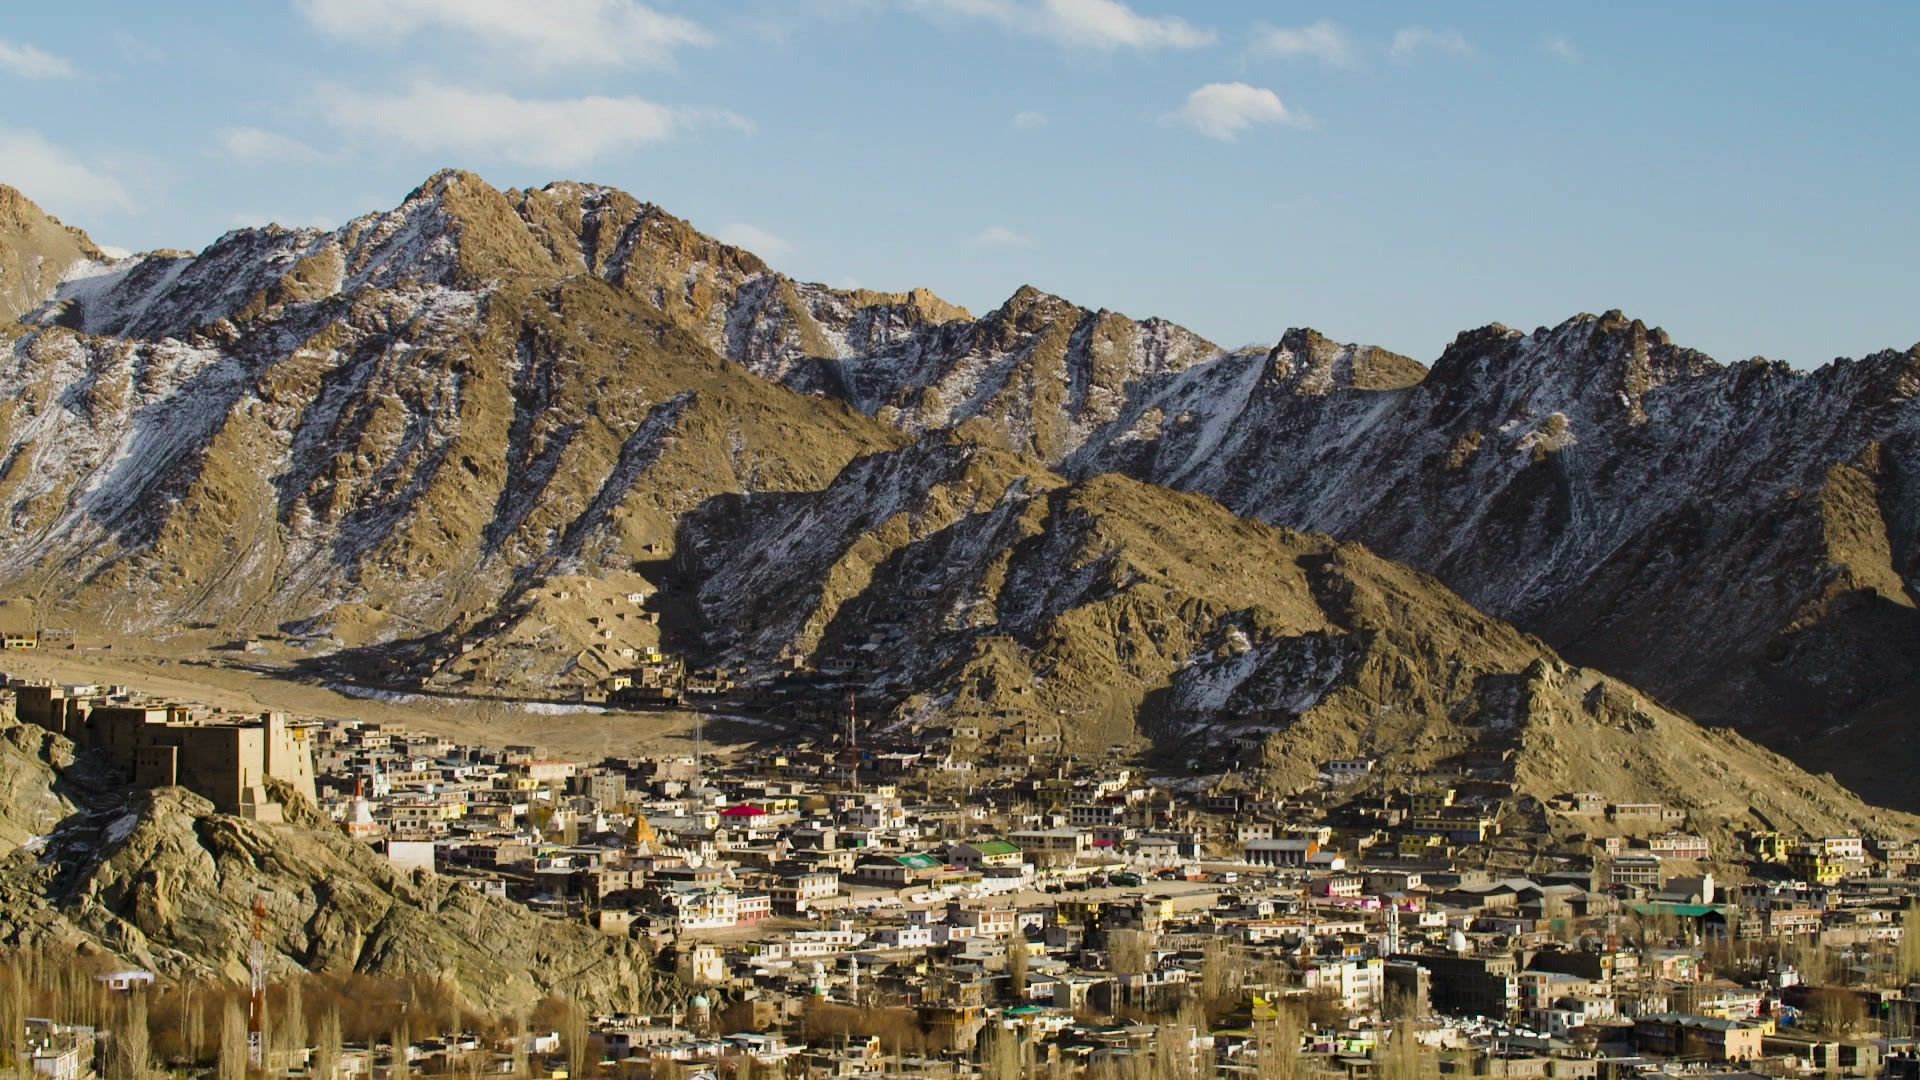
(379, 432)
(953, 580)
(35, 250)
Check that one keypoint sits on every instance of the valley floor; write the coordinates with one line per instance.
(250, 685)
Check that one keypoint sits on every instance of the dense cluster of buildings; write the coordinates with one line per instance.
(904, 908)
(952, 888)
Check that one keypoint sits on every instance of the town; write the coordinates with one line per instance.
(959, 901)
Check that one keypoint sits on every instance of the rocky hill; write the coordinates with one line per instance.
(1743, 541)
(160, 880)
(971, 586)
(449, 438)
(393, 427)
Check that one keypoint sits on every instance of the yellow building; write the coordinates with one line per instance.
(1811, 864)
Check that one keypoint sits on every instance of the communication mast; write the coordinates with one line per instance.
(257, 969)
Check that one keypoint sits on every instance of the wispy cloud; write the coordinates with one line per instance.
(1324, 41)
(1558, 45)
(552, 33)
(998, 236)
(1223, 110)
(1417, 39)
(56, 179)
(29, 62)
(556, 133)
(1104, 25)
(754, 239)
(1029, 120)
(255, 146)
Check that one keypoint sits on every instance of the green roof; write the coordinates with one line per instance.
(918, 861)
(996, 847)
(1684, 911)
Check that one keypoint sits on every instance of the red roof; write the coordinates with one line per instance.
(743, 810)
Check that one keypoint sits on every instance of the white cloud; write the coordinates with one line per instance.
(557, 133)
(57, 180)
(256, 146)
(552, 33)
(1414, 39)
(31, 63)
(1558, 45)
(1029, 120)
(754, 239)
(1223, 110)
(1089, 24)
(998, 236)
(1323, 41)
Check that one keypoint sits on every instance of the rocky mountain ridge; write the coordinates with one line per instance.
(1740, 540)
(409, 429)
(975, 589)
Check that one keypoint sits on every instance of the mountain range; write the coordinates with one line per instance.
(446, 439)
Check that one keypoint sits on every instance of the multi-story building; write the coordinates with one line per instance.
(229, 761)
(1698, 1037)
(1635, 868)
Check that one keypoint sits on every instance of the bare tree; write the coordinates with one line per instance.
(291, 1034)
(1128, 951)
(129, 1051)
(575, 1036)
(13, 1017)
(1000, 1053)
(520, 1040)
(1401, 1058)
(1277, 1042)
(1222, 974)
(193, 1023)
(326, 1047)
(402, 1042)
(1833, 1011)
(1909, 957)
(233, 1042)
(1017, 964)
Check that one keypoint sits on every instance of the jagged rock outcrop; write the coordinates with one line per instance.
(160, 880)
(38, 252)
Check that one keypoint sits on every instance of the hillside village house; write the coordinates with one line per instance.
(19, 625)
(984, 854)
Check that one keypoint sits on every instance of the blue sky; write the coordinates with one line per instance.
(1740, 173)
